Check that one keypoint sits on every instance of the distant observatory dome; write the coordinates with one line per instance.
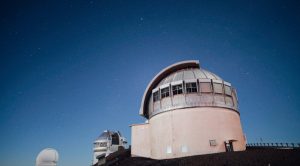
(104, 136)
(107, 143)
(47, 157)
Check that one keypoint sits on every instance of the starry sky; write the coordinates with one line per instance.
(71, 69)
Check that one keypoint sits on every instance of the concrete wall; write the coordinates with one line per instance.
(140, 140)
(186, 132)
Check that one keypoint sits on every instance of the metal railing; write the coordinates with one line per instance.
(274, 145)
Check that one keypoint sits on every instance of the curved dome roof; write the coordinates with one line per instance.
(185, 70)
(189, 74)
(47, 157)
(106, 135)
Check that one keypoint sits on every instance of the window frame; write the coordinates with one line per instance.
(191, 87)
(166, 93)
(156, 97)
(177, 90)
(212, 142)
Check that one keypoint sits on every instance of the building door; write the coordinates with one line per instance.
(228, 146)
(115, 139)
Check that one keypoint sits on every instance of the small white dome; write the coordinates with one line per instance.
(47, 157)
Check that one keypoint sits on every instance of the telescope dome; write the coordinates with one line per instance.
(186, 85)
(47, 157)
(189, 111)
(104, 136)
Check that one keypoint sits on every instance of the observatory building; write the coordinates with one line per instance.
(47, 157)
(189, 111)
(107, 143)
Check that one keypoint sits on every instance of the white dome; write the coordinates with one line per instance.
(47, 157)
(211, 90)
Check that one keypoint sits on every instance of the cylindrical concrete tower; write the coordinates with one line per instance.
(190, 111)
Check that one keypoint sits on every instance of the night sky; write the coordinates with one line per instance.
(70, 70)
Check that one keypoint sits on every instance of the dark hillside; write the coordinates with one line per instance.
(251, 157)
